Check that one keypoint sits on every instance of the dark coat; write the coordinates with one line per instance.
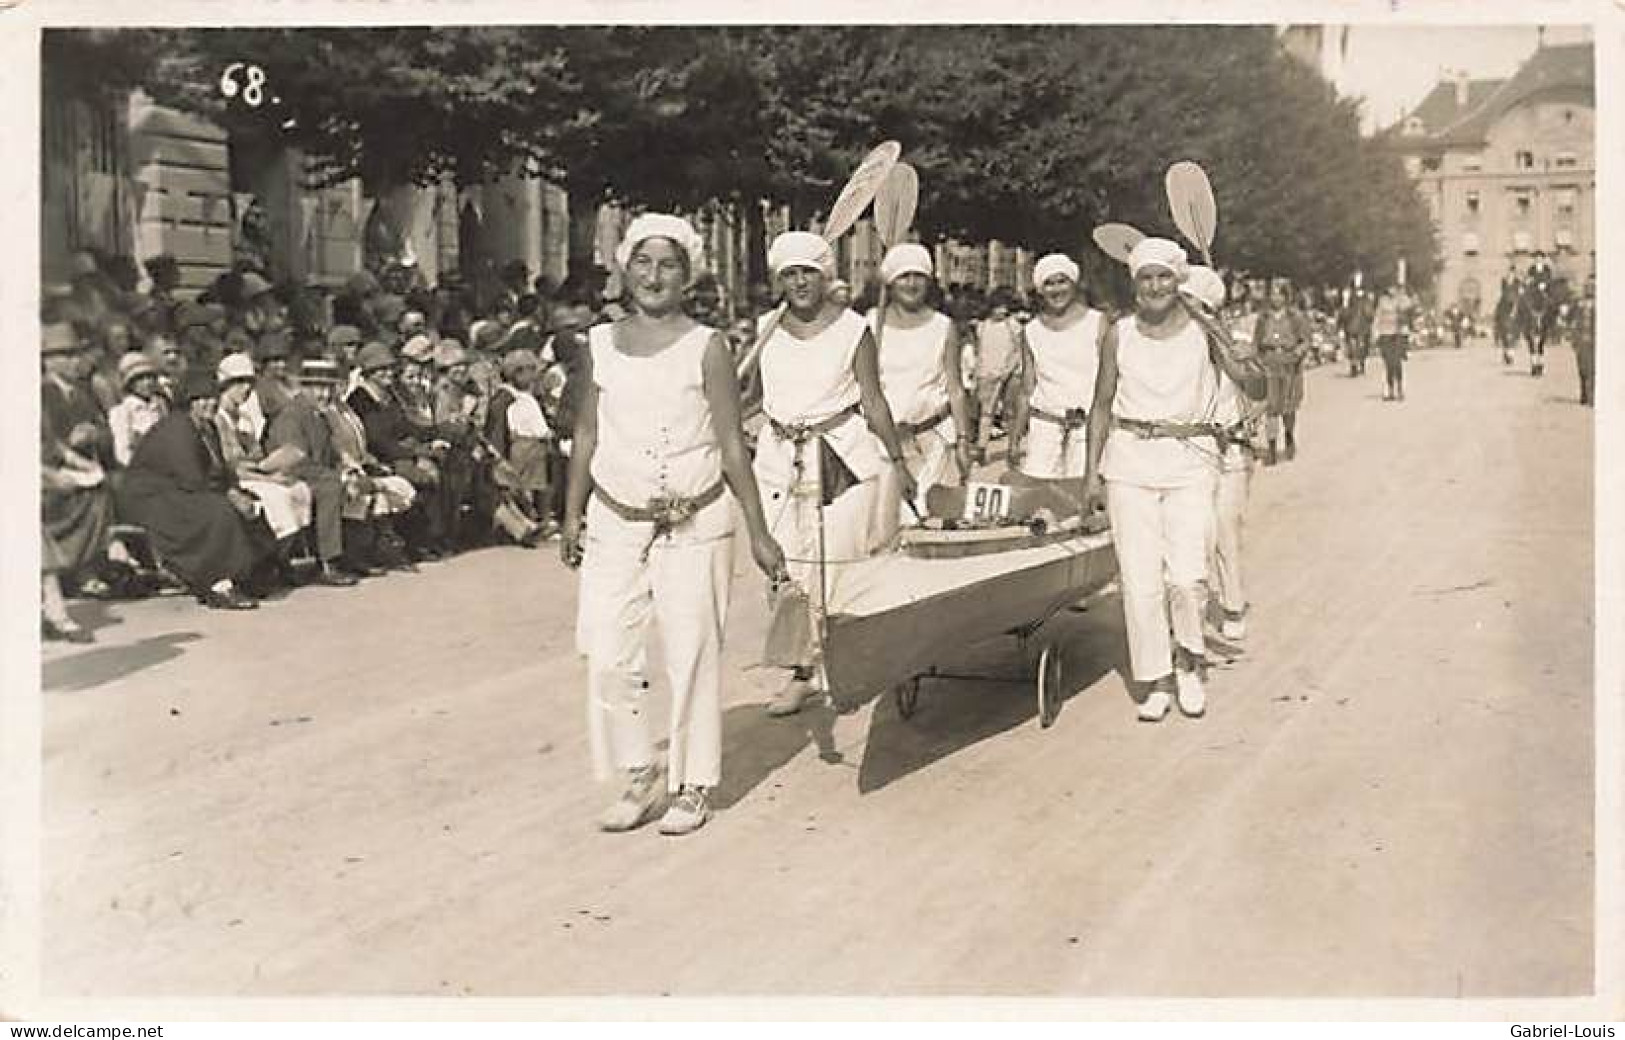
(176, 488)
(390, 435)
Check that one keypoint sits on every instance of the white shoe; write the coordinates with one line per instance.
(1234, 629)
(1192, 693)
(632, 808)
(1155, 706)
(687, 812)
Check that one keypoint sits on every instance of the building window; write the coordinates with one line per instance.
(1522, 242)
(1469, 244)
(1472, 201)
(1566, 161)
(1413, 126)
(1524, 202)
(1472, 163)
(1431, 164)
(1566, 198)
(1565, 239)
(1568, 115)
(1524, 160)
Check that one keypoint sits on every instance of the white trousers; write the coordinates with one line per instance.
(682, 588)
(287, 506)
(1230, 514)
(792, 517)
(1045, 457)
(929, 456)
(1161, 536)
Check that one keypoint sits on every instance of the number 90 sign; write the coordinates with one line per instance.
(245, 79)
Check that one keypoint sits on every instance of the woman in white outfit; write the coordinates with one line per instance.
(1060, 359)
(827, 437)
(286, 503)
(1153, 438)
(919, 350)
(657, 444)
(1237, 419)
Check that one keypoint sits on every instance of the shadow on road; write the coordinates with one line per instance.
(953, 715)
(104, 664)
(755, 745)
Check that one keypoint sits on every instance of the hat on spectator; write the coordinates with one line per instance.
(272, 345)
(523, 336)
(514, 360)
(59, 338)
(413, 321)
(362, 283)
(254, 285)
(190, 315)
(906, 258)
(238, 340)
(133, 366)
(484, 334)
(388, 309)
(419, 349)
(234, 367)
(343, 336)
(449, 352)
(194, 384)
(374, 356)
(320, 370)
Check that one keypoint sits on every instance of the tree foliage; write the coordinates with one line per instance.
(1030, 134)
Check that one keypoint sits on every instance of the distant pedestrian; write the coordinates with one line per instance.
(1583, 335)
(1391, 324)
(1282, 338)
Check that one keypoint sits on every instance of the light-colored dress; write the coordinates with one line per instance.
(1066, 363)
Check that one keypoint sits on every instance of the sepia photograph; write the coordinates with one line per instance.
(579, 508)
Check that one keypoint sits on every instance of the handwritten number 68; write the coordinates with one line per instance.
(252, 88)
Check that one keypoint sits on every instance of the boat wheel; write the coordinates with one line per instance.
(1050, 669)
(907, 696)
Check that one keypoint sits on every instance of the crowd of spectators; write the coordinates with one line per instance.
(261, 436)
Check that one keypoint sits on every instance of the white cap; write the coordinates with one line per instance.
(1158, 252)
(1205, 285)
(234, 366)
(906, 258)
(800, 249)
(1052, 264)
(663, 225)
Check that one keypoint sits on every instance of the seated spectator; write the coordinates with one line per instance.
(373, 495)
(76, 510)
(143, 405)
(392, 439)
(456, 403)
(299, 431)
(207, 529)
(342, 343)
(517, 430)
(285, 499)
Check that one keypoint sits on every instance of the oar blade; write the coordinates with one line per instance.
(1117, 240)
(1190, 199)
(860, 189)
(896, 202)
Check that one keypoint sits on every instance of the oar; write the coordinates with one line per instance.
(1118, 240)
(895, 203)
(854, 198)
(1190, 199)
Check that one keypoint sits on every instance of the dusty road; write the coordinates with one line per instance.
(382, 790)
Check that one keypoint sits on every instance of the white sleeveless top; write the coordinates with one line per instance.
(1171, 380)
(805, 382)
(1065, 363)
(912, 373)
(655, 437)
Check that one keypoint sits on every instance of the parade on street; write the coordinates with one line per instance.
(797, 511)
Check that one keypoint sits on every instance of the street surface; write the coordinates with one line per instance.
(385, 790)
